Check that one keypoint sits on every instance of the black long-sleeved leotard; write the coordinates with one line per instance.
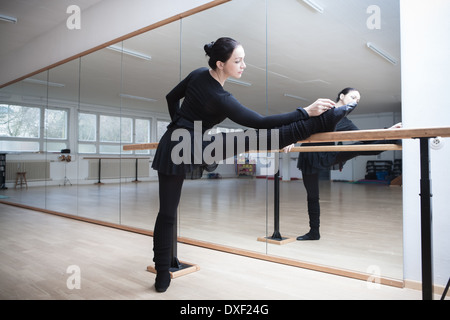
(205, 100)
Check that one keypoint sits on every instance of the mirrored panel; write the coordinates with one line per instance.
(60, 127)
(22, 143)
(91, 107)
(99, 135)
(227, 206)
(315, 50)
(150, 68)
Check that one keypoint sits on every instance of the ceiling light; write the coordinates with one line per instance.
(241, 83)
(129, 52)
(128, 96)
(8, 19)
(314, 5)
(45, 83)
(295, 97)
(382, 53)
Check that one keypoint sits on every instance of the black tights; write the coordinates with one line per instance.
(311, 183)
(169, 197)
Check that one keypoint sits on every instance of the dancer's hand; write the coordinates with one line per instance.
(288, 148)
(397, 126)
(319, 107)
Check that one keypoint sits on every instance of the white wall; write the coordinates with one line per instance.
(101, 23)
(425, 68)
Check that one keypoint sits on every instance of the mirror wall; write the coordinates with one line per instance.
(92, 106)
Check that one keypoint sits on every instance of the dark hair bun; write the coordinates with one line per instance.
(208, 48)
(220, 50)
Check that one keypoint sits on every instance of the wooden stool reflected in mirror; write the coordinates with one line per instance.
(21, 179)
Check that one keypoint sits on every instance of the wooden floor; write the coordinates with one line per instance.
(36, 250)
(361, 224)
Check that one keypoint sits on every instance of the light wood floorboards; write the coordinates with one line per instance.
(37, 248)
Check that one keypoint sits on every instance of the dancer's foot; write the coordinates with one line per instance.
(162, 281)
(330, 118)
(311, 235)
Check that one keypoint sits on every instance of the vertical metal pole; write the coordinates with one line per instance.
(99, 170)
(136, 166)
(276, 235)
(426, 221)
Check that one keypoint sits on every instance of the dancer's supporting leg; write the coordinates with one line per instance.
(311, 183)
(169, 197)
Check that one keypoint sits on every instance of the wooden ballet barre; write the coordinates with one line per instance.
(357, 135)
(378, 134)
(141, 146)
(362, 147)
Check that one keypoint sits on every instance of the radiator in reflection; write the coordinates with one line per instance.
(36, 170)
(118, 168)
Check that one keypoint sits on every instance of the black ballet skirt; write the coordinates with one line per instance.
(163, 160)
(314, 162)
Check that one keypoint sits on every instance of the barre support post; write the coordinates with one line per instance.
(276, 237)
(426, 221)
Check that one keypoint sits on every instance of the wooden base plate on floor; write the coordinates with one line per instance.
(281, 241)
(185, 268)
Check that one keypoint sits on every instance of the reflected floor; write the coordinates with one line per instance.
(361, 224)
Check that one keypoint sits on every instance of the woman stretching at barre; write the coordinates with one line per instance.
(206, 102)
(311, 163)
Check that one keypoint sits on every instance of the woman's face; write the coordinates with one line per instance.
(234, 67)
(351, 97)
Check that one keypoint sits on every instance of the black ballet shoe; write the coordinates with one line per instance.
(309, 236)
(332, 117)
(343, 111)
(162, 281)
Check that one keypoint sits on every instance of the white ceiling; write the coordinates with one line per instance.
(308, 54)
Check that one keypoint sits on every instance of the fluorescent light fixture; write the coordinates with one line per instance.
(128, 96)
(295, 97)
(45, 83)
(314, 5)
(129, 52)
(382, 53)
(8, 18)
(239, 82)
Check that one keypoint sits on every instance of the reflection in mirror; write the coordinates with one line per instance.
(315, 54)
(23, 106)
(227, 211)
(150, 67)
(99, 135)
(61, 114)
(116, 96)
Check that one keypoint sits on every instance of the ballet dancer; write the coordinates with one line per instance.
(311, 163)
(206, 102)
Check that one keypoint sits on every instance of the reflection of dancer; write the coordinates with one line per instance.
(311, 163)
(205, 100)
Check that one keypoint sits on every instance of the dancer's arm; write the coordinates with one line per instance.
(175, 95)
(240, 114)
